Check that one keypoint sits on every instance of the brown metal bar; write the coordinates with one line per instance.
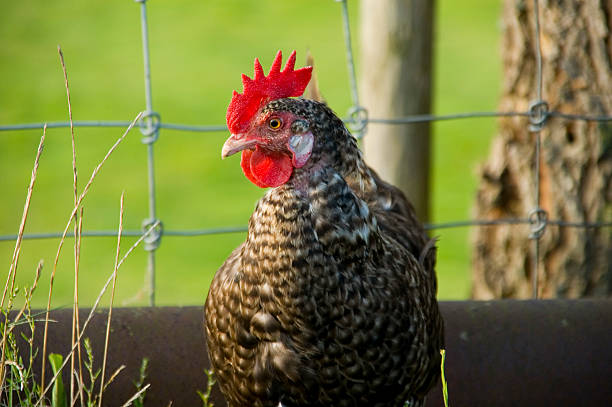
(498, 353)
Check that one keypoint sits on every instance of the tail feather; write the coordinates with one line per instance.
(312, 90)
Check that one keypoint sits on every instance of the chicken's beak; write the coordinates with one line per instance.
(236, 143)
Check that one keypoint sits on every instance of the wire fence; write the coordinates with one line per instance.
(357, 120)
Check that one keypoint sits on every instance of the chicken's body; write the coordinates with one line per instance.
(331, 300)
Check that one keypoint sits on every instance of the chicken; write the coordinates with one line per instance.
(331, 300)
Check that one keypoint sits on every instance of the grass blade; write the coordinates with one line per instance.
(58, 394)
(443, 378)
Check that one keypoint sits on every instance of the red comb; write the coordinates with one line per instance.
(262, 89)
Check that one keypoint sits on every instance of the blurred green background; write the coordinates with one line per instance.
(198, 51)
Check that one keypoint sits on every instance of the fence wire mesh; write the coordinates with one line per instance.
(357, 120)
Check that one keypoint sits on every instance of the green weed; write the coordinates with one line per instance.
(443, 378)
(210, 382)
(139, 401)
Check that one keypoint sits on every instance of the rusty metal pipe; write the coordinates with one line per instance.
(499, 353)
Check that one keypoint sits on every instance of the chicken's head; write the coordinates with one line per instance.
(273, 141)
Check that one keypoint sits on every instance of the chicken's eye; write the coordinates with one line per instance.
(275, 123)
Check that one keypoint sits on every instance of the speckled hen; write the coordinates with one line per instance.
(331, 300)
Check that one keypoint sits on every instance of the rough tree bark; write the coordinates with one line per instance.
(576, 159)
(396, 81)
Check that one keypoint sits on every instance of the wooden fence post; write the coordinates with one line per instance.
(396, 81)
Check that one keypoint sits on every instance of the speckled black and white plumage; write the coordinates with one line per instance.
(330, 301)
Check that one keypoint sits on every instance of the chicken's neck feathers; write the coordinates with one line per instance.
(291, 223)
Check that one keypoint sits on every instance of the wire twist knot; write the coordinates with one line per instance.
(149, 124)
(358, 120)
(538, 114)
(538, 219)
(155, 230)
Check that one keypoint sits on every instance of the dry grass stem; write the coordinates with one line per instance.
(140, 239)
(74, 168)
(79, 381)
(77, 238)
(63, 238)
(135, 396)
(26, 208)
(93, 310)
(110, 309)
(13, 267)
(19, 369)
(112, 377)
(32, 289)
(75, 313)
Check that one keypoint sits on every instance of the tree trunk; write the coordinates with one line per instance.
(575, 163)
(396, 60)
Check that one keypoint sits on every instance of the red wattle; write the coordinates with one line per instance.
(266, 169)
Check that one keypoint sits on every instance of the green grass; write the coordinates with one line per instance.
(198, 51)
